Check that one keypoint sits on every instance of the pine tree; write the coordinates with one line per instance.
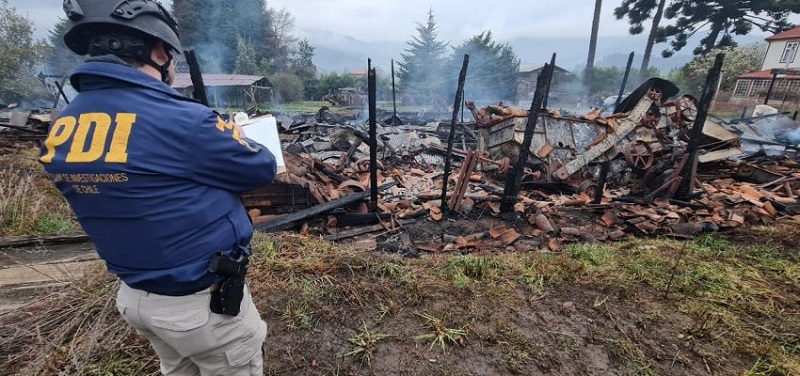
(213, 29)
(303, 66)
(420, 71)
(722, 19)
(60, 60)
(493, 67)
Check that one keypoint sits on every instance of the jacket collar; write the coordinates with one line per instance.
(99, 72)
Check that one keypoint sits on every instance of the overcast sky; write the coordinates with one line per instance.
(395, 20)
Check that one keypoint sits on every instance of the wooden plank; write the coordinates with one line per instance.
(626, 126)
(24, 241)
(290, 220)
(364, 230)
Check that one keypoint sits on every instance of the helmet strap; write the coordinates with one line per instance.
(163, 69)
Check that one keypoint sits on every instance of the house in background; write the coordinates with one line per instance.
(779, 75)
(526, 82)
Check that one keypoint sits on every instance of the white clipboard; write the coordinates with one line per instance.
(264, 130)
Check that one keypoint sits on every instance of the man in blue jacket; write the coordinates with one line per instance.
(154, 178)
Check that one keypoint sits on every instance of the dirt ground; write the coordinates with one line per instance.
(725, 304)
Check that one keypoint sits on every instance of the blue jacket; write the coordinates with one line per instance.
(153, 177)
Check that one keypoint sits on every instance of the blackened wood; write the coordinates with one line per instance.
(395, 119)
(359, 219)
(549, 82)
(364, 230)
(684, 192)
(606, 166)
(61, 91)
(514, 176)
(293, 219)
(199, 91)
(462, 77)
(373, 137)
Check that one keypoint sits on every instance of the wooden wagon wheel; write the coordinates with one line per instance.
(639, 155)
(588, 187)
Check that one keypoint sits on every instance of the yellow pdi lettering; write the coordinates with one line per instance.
(100, 123)
(118, 152)
(60, 132)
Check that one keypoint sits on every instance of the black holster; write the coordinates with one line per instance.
(227, 299)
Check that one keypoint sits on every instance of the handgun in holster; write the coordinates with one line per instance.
(227, 299)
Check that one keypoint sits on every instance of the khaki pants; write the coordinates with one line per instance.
(190, 339)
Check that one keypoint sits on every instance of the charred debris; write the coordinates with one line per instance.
(656, 165)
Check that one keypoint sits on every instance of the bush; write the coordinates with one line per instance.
(288, 88)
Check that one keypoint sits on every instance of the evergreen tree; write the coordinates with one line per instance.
(60, 60)
(493, 69)
(722, 19)
(213, 29)
(639, 11)
(421, 68)
(303, 66)
(247, 60)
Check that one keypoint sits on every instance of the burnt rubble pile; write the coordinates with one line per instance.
(21, 130)
(644, 142)
(747, 173)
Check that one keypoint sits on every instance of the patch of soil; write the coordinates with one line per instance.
(571, 330)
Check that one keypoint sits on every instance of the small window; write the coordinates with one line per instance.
(789, 52)
(742, 87)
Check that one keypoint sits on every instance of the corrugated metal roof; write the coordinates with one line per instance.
(788, 34)
(184, 80)
(527, 68)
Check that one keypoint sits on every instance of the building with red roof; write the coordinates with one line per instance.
(780, 71)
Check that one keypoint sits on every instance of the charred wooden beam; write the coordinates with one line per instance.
(462, 77)
(606, 166)
(514, 177)
(395, 119)
(373, 136)
(290, 220)
(689, 170)
(549, 82)
(199, 88)
(364, 230)
(359, 219)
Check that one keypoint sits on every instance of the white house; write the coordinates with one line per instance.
(781, 68)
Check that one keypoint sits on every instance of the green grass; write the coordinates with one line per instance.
(738, 300)
(439, 334)
(363, 342)
(29, 203)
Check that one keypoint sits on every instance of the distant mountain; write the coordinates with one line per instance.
(336, 52)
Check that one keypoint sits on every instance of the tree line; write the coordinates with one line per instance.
(249, 37)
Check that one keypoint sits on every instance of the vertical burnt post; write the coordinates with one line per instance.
(684, 192)
(514, 177)
(373, 137)
(605, 167)
(395, 119)
(199, 92)
(549, 81)
(462, 77)
(771, 86)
